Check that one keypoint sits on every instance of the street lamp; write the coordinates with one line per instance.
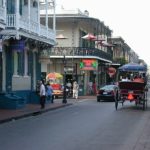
(64, 92)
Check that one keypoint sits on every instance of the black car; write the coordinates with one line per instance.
(107, 93)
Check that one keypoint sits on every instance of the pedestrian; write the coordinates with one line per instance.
(69, 89)
(75, 90)
(49, 92)
(90, 87)
(94, 88)
(42, 94)
(38, 87)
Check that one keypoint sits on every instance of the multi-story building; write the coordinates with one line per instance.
(133, 56)
(23, 37)
(120, 50)
(2, 27)
(122, 53)
(82, 42)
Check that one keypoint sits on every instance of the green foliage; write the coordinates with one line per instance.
(121, 60)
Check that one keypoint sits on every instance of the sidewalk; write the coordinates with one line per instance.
(34, 109)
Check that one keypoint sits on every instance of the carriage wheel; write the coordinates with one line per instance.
(116, 104)
(144, 102)
(116, 101)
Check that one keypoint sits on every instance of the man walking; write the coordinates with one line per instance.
(42, 94)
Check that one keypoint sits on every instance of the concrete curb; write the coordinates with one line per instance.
(34, 113)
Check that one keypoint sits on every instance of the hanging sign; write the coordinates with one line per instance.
(88, 64)
(111, 71)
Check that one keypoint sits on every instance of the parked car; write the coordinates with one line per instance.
(148, 84)
(107, 93)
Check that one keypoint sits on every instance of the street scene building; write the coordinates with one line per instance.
(36, 40)
(22, 37)
(83, 42)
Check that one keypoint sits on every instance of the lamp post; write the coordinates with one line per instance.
(64, 92)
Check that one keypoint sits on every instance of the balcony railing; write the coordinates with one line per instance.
(29, 26)
(75, 51)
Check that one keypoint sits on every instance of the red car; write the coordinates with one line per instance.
(107, 93)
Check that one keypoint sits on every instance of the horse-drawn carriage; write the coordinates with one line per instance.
(133, 92)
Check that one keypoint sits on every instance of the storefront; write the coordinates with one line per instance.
(89, 68)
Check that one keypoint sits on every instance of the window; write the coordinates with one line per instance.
(35, 4)
(1, 3)
(15, 63)
(11, 7)
(18, 63)
(26, 55)
(25, 2)
(20, 7)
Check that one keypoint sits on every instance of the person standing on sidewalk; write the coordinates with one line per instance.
(75, 90)
(49, 93)
(42, 94)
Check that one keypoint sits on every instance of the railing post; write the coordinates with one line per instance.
(5, 12)
(47, 18)
(17, 14)
(29, 14)
(39, 27)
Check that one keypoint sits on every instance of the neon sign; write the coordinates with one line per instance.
(88, 64)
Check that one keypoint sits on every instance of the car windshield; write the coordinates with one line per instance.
(107, 87)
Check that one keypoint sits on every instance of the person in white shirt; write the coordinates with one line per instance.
(42, 94)
(75, 90)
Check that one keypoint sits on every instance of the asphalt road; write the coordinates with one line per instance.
(86, 125)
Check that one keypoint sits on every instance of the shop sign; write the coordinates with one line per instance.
(111, 71)
(88, 64)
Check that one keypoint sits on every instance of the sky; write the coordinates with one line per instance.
(127, 18)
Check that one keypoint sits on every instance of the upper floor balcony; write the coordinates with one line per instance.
(12, 22)
(76, 52)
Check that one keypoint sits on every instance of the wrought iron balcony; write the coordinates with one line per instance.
(80, 52)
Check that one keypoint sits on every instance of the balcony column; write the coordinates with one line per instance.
(54, 16)
(5, 12)
(47, 17)
(29, 14)
(39, 17)
(17, 14)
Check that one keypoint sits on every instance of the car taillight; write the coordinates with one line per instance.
(112, 93)
(100, 92)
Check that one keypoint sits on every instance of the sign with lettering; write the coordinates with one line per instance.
(88, 64)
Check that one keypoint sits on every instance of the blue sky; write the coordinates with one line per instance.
(127, 18)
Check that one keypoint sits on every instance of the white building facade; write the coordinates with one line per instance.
(71, 27)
